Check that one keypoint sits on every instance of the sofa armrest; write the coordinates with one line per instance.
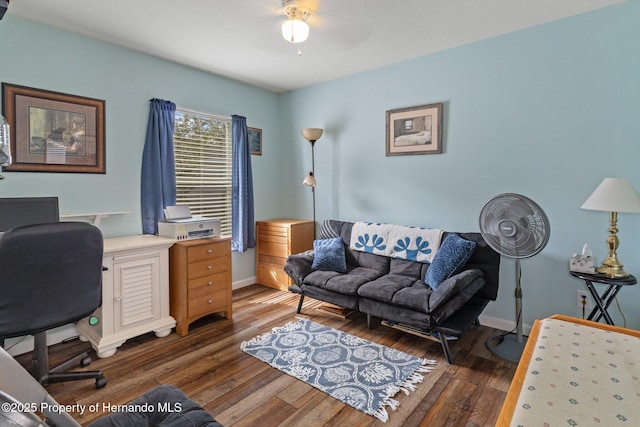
(452, 286)
(298, 266)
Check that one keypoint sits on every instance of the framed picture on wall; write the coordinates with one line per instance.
(414, 130)
(255, 141)
(54, 132)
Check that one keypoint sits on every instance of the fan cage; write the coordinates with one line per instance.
(533, 226)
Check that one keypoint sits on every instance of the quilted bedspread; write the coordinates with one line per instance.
(579, 375)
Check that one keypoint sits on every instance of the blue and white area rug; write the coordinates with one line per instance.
(353, 370)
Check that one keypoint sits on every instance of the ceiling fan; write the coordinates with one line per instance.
(327, 27)
(299, 13)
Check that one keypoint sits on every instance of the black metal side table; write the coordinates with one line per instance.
(614, 284)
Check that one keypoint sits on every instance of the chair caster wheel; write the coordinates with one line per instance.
(101, 382)
(85, 361)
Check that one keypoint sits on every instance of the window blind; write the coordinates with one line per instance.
(202, 146)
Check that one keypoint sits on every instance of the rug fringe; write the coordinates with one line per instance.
(291, 326)
(382, 414)
(408, 386)
(416, 377)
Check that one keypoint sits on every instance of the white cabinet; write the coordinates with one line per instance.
(135, 293)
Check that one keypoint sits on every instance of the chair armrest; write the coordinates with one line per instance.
(298, 266)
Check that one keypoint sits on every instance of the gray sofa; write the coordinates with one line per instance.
(394, 289)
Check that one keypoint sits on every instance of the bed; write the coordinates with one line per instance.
(419, 138)
(575, 372)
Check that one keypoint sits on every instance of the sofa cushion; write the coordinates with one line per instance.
(345, 283)
(416, 317)
(410, 293)
(328, 255)
(372, 261)
(384, 288)
(415, 297)
(449, 260)
(407, 268)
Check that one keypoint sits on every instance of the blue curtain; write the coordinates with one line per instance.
(243, 234)
(158, 183)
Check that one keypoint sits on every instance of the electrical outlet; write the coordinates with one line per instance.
(586, 295)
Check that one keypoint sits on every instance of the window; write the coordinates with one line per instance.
(202, 146)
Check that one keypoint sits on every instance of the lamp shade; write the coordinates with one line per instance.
(295, 30)
(312, 134)
(309, 180)
(614, 195)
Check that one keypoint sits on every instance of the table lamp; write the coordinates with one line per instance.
(613, 195)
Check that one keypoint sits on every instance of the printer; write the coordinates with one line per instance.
(179, 224)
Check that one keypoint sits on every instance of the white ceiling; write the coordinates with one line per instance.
(241, 39)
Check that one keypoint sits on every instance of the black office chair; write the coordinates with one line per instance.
(50, 275)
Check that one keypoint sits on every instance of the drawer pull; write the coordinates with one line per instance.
(209, 267)
(209, 283)
(210, 302)
(209, 250)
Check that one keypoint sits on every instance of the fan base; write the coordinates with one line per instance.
(506, 347)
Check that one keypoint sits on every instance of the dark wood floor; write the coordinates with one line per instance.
(239, 390)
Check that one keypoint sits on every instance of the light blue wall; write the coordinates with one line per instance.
(42, 57)
(547, 112)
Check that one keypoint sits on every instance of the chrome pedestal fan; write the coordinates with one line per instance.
(516, 227)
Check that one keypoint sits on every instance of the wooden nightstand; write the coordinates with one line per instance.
(276, 239)
(199, 280)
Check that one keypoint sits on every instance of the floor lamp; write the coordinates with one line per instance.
(312, 135)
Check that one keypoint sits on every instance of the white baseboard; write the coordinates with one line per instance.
(243, 283)
(502, 324)
(20, 345)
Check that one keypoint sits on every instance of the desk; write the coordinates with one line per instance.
(603, 301)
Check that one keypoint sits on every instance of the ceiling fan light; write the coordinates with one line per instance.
(295, 30)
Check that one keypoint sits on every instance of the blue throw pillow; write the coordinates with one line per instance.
(328, 255)
(449, 260)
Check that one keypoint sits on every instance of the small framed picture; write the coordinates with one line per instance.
(414, 130)
(255, 141)
(54, 132)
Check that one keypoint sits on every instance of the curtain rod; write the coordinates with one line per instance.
(189, 110)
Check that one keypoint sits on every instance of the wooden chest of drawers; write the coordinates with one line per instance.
(275, 240)
(200, 280)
